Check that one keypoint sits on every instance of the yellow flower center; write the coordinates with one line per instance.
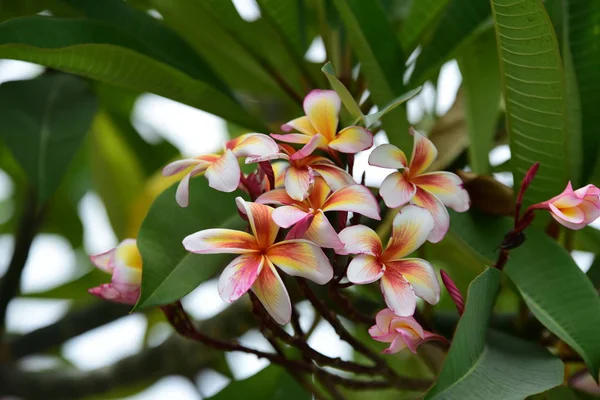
(129, 255)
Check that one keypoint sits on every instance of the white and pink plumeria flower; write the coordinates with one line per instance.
(318, 128)
(402, 279)
(400, 332)
(310, 213)
(434, 190)
(259, 253)
(124, 262)
(222, 170)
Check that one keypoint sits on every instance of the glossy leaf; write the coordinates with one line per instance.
(476, 356)
(347, 98)
(44, 121)
(98, 51)
(170, 272)
(534, 91)
(556, 291)
(481, 84)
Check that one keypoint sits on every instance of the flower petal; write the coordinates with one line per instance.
(300, 257)
(388, 156)
(126, 278)
(322, 233)
(104, 261)
(438, 211)
(315, 142)
(396, 346)
(447, 187)
(108, 292)
(424, 152)
(421, 276)
(224, 174)
(302, 125)
(356, 199)
(322, 108)
(568, 198)
(273, 295)
(352, 140)
(360, 239)
(399, 295)
(299, 182)
(380, 336)
(573, 215)
(300, 228)
(364, 269)
(276, 196)
(287, 216)
(587, 190)
(218, 241)
(410, 230)
(239, 276)
(182, 195)
(261, 221)
(396, 190)
(181, 165)
(255, 145)
(317, 197)
(335, 177)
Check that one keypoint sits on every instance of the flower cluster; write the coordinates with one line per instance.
(298, 219)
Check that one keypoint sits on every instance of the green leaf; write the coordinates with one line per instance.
(460, 21)
(422, 14)
(534, 92)
(272, 383)
(471, 370)
(372, 119)
(481, 84)
(101, 52)
(170, 272)
(557, 292)
(347, 98)
(43, 122)
(381, 58)
(288, 17)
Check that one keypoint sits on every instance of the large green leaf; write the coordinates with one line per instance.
(43, 121)
(492, 365)
(170, 272)
(557, 292)
(288, 16)
(272, 383)
(98, 51)
(422, 14)
(534, 92)
(459, 22)
(481, 84)
(381, 58)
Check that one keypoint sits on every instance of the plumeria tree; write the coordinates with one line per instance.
(444, 282)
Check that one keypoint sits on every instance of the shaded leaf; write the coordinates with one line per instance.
(421, 15)
(372, 119)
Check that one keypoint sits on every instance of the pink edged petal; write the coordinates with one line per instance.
(322, 233)
(438, 211)
(335, 177)
(292, 138)
(408, 326)
(104, 261)
(302, 258)
(388, 156)
(384, 318)
(181, 165)
(108, 292)
(424, 152)
(218, 241)
(397, 345)
(299, 182)
(396, 190)
(256, 145)
(359, 239)
(364, 269)
(319, 193)
(224, 174)
(411, 341)
(421, 276)
(287, 216)
(447, 187)
(257, 159)
(182, 195)
(239, 276)
(381, 336)
(314, 143)
(322, 108)
(352, 140)
(591, 208)
(573, 215)
(279, 169)
(126, 277)
(567, 198)
(356, 199)
(399, 295)
(276, 196)
(261, 221)
(410, 229)
(587, 190)
(300, 228)
(273, 295)
(302, 125)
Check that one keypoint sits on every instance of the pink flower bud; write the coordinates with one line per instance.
(574, 208)
(124, 262)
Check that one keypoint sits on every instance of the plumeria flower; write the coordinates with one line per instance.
(433, 191)
(299, 176)
(221, 170)
(124, 262)
(310, 213)
(402, 279)
(318, 128)
(255, 268)
(401, 332)
(574, 208)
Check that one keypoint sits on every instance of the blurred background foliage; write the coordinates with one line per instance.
(69, 131)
